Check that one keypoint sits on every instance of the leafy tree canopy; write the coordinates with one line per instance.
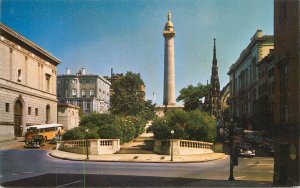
(128, 99)
(191, 96)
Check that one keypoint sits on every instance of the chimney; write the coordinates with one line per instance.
(68, 71)
(83, 71)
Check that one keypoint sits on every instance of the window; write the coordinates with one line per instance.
(83, 93)
(6, 107)
(47, 113)
(80, 104)
(29, 110)
(36, 111)
(19, 75)
(88, 105)
(48, 77)
(92, 93)
(74, 92)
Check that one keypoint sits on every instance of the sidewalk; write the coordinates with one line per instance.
(11, 144)
(148, 158)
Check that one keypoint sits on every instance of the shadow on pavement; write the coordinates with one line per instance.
(94, 180)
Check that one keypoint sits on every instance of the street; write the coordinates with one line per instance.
(35, 168)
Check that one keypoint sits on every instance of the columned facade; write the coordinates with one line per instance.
(25, 71)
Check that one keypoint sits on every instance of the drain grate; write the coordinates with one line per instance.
(135, 157)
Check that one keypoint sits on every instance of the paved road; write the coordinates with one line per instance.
(35, 168)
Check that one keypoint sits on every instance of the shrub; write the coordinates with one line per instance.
(110, 131)
(192, 125)
(78, 133)
(108, 126)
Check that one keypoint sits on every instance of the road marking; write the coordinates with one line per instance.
(69, 183)
(27, 172)
(14, 174)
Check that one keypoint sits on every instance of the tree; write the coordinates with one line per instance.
(128, 99)
(96, 121)
(191, 96)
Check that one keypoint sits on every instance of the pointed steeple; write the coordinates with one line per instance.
(215, 56)
(214, 98)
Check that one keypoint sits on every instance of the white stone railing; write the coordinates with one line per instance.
(182, 147)
(95, 146)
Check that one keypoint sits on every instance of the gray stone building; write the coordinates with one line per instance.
(27, 84)
(88, 91)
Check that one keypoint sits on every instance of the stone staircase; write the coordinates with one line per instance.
(143, 144)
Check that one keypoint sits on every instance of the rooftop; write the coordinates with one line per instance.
(27, 44)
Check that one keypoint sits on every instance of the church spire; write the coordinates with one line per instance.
(215, 57)
(214, 100)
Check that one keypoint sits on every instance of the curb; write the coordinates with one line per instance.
(222, 157)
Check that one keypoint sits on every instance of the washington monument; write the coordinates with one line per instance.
(169, 66)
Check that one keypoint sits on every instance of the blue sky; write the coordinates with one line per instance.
(127, 35)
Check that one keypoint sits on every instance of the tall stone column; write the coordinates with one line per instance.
(169, 66)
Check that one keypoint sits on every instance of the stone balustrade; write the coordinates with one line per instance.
(95, 146)
(182, 147)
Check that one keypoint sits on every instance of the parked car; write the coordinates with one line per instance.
(246, 150)
(35, 141)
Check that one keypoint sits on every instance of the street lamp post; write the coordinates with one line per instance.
(231, 138)
(172, 132)
(59, 135)
(86, 143)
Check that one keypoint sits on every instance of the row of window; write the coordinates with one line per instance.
(47, 76)
(83, 104)
(75, 81)
(266, 88)
(83, 93)
(265, 72)
(36, 110)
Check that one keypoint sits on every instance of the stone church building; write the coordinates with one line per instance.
(27, 84)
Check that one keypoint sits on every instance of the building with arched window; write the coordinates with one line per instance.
(27, 84)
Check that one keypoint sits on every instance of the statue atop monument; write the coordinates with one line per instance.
(169, 16)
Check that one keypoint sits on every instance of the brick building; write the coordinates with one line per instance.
(264, 114)
(27, 84)
(287, 92)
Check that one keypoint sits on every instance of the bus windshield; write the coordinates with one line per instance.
(33, 130)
